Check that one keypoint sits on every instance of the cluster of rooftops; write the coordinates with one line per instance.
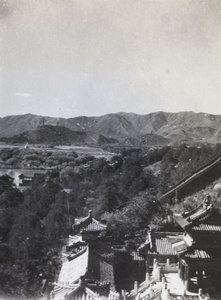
(92, 267)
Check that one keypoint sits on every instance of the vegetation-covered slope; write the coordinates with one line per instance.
(124, 191)
(48, 134)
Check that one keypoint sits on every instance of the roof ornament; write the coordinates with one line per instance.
(207, 201)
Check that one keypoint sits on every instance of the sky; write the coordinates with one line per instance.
(68, 58)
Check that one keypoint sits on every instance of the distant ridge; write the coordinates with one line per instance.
(186, 127)
(48, 134)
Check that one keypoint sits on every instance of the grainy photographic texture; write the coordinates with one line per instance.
(110, 153)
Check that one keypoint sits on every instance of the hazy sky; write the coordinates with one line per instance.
(66, 58)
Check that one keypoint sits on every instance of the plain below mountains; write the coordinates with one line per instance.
(122, 129)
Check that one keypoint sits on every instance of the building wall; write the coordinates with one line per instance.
(127, 270)
(100, 268)
(198, 182)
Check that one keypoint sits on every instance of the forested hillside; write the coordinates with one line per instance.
(124, 191)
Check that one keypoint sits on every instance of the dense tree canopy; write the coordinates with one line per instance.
(125, 191)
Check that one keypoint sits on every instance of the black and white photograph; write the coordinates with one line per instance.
(110, 150)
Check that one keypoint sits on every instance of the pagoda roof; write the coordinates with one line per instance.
(81, 220)
(88, 224)
(94, 226)
(199, 218)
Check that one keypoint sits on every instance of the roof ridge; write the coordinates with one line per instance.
(199, 215)
(79, 253)
(69, 286)
(100, 255)
(99, 223)
(81, 220)
(204, 214)
(187, 214)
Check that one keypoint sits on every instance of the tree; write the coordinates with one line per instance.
(11, 198)
(5, 183)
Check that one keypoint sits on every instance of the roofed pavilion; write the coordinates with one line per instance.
(199, 248)
(89, 228)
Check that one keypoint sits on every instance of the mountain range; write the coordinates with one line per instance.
(130, 129)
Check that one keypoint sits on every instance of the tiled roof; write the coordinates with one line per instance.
(211, 253)
(81, 220)
(212, 223)
(95, 226)
(61, 291)
(72, 270)
(198, 253)
(180, 243)
(168, 243)
(75, 250)
(204, 218)
(207, 227)
(161, 244)
(209, 259)
(189, 220)
(201, 213)
(88, 224)
(180, 247)
(206, 263)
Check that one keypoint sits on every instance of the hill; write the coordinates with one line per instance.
(162, 127)
(50, 134)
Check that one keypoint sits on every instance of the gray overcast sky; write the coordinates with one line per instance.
(66, 58)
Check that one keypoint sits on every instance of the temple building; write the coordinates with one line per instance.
(178, 264)
(89, 228)
(195, 253)
(158, 247)
(199, 249)
(87, 263)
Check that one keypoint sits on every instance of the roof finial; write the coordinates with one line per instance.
(207, 201)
